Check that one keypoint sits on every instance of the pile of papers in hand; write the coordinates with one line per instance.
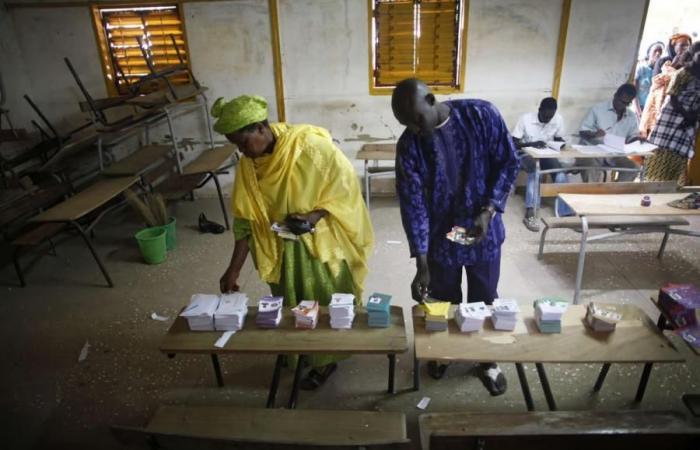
(231, 312)
(470, 316)
(342, 310)
(306, 314)
(379, 310)
(269, 312)
(600, 318)
(436, 314)
(504, 314)
(200, 312)
(548, 312)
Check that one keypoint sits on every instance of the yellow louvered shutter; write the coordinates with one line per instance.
(156, 27)
(416, 38)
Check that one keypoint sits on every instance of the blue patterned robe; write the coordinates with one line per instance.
(446, 179)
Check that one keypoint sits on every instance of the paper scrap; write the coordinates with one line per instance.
(155, 316)
(221, 342)
(423, 403)
(84, 352)
(393, 242)
(505, 339)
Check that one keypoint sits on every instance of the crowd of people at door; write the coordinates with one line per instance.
(662, 107)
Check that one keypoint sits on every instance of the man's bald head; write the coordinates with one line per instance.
(415, 106)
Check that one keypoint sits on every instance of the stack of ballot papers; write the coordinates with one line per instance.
(548, 312)
(600, 318)
(306, 314)
(200, 312)
(436, 314)
(504, 314)
(269, 312)
(342, 310)
(379, 310)
(470, 316)
(231, 312)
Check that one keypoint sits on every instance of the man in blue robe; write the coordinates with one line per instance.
(455, 166)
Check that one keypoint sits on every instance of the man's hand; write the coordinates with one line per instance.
(228, 280)
(482, 222)
(538, 144)
(419, 286)
(599, 133)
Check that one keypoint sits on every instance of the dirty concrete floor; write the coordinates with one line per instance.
(50, 400)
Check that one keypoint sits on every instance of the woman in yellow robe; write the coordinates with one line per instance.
(295, 175)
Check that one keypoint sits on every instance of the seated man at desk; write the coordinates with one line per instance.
(615, 117)
(535, 129)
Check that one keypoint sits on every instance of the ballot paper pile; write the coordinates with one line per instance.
(504, 314)
(548, 312)
(470, 316)
(342, 310)
(200, 312)
(269, 312)
(600, 318)
(436, 314)
(379, 310)
(681, 304)
(283, 231)
(306, 314)
(231, 312)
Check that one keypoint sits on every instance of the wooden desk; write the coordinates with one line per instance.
(636, 340)
(288, 340)
(585, 205)
(376, 153)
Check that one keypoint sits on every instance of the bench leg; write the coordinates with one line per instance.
(176, 151)
(392, 373)
(217, 370)
(525, 387)
(208, 120)
(540, 254)
(297, 381)
(545, 386)
(663, 245)
(416, 371)
(275, 382)
(601, 377)
(221, 199)
(88, 242)
(18, 267)
(646, 372)
(581, 259)
(366, 184)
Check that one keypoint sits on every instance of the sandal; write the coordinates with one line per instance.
(494, 380)
(207, 226)
(437, 370)
(317, 377)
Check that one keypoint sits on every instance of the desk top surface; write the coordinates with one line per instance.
(379, 152)
(286, 339)
(626, 204)
(571, 152)
(636, 339)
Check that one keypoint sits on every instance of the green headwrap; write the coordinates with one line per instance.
(238, 113)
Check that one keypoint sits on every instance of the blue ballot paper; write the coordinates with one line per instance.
(379, 310)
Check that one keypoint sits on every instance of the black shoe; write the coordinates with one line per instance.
(437, 370)
(494, 380)
(207, 226)
(317, 377)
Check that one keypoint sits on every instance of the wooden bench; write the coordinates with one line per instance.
(139, 161)
(178, 427)
(570, 430)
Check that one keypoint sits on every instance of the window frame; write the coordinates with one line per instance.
(108, 72)
(438, 89)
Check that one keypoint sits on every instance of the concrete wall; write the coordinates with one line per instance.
(510, 58)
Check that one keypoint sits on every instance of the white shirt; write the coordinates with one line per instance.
(603, 116)
(530, 129)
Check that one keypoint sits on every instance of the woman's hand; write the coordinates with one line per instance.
(228, 281)
(304, 223)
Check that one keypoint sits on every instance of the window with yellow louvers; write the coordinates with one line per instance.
(417, 38)
(129, 35)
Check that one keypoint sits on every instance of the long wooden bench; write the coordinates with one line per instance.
(139, 161)
(179, 427)
(570, 430)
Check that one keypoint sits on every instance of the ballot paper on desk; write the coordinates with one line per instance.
(552, 148)
(269, 312)
(616, 145)
(470, 316)
(231, 312)
(200, 312)
(342, 310)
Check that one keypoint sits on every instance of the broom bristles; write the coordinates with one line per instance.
(151, 208)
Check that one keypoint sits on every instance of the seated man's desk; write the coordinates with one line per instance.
(288, 340)
(376, 153)
(636, 340)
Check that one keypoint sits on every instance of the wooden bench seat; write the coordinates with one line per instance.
(38, 234)
(650, 187)
(614, 221)
(226, 427)
(139, 161)
(210, 160)
(571, 430)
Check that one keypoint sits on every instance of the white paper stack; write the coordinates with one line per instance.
(600, 318)
(548, 312)
(470, 316)
(306, 314)
(230, 315)
(342, 310)
(504, 314)
(269, 312)
(200, 312)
